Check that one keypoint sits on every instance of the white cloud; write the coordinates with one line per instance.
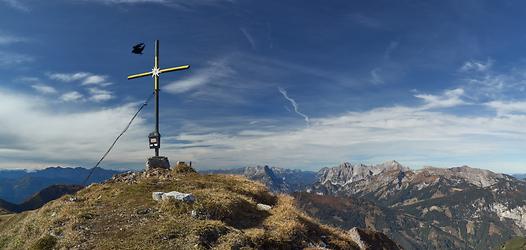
(44, 89)
(294, 104)
(96, 80)
(42, 132)
(188, 84)
(449, 98)
(100, 95)
(85, 78)
(478, 66)
(412, 135)
(72, 96)
(69, 77)
(508, 107)
(8, 59)
(216, 71)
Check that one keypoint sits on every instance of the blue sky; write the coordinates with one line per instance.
(296, 84)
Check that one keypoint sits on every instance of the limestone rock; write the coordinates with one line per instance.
(263, 207)
(157, 196)
(178, 196)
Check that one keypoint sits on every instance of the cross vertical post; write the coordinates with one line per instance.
(155, 136)
(156, 89)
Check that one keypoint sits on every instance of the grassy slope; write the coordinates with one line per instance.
(122, 215)
(517, 243)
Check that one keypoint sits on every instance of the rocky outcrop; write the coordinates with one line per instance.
(369, 240)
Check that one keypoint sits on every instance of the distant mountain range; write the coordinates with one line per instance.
(276, 179)
(430, 208)
(39, 199)
(519, 176)
(17, 186)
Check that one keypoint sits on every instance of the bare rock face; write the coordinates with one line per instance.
(347, 173)
(372, 240)
(430, 208)
(157, 162)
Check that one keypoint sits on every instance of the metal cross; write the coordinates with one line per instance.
(155, 137)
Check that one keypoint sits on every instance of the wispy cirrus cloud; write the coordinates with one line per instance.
(249, 37)
(16, 4)
(478, 66)
(376, 78)
(8, 59)
(181, 4)
(6, 39)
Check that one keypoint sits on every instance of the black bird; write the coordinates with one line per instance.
(138, 48)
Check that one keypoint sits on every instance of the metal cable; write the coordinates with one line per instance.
(118, 137)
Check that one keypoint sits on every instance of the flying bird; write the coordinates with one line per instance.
(138, 48)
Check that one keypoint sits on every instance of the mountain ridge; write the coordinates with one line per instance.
(39, 199)
(465, 205)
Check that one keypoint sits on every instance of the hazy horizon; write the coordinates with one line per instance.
(314, 169)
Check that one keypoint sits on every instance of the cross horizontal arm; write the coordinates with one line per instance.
(139, 75)
(174, 69)
(160, 71)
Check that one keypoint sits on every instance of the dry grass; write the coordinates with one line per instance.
(122, 215)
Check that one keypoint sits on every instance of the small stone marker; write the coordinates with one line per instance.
(158, 196)
(157, 162)
(263, 207)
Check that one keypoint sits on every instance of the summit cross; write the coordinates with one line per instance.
(155, 136)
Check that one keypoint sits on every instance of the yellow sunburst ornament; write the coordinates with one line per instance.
(156, 71)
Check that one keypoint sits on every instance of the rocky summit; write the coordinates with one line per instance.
(226, 212)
